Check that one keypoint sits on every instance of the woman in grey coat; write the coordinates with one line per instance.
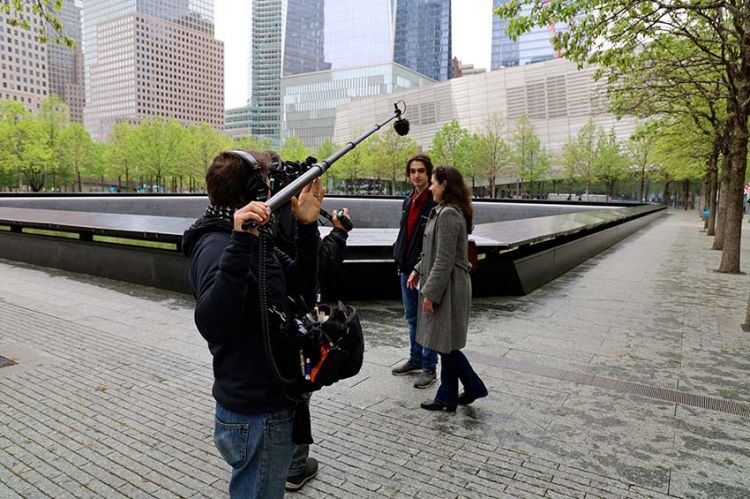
(445, 289)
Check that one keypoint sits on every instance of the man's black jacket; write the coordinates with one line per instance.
(223, 276)
(407, 251)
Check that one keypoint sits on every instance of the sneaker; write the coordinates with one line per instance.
(407, 367)
(425, 379)
(297, 481)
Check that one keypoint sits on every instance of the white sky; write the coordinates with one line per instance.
(472, 40)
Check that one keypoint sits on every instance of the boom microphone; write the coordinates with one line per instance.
(401, 125)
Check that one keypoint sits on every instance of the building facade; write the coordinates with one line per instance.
(557, 97)
(310, 100)
(531, 47)
(423, 37)
(151, 58)
(293, 37)
(23, 61)
(65, 65)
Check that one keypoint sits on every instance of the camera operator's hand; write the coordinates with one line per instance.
(307, 207)
(413, 280)
(255, 211)
(335, 219)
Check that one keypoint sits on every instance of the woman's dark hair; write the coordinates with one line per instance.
(232, 182)
(456, 192)
(425, 160)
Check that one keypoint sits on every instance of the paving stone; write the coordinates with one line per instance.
(115, 410)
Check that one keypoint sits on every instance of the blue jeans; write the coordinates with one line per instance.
(418, 355)
(455, 367)
(258, 447)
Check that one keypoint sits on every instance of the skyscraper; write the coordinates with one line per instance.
(287, 39)
(150, 58)
(423, 37)
(534, 46)
(65, 65)
(23, 61)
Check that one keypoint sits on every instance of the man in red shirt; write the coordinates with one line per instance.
(406, 252)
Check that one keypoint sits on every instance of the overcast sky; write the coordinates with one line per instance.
(472, 39)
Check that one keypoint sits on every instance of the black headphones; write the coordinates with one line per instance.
(256, 188)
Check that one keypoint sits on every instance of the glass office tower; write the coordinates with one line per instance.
(534, 46)
(287, 39)
(423, 37)
(146, 58)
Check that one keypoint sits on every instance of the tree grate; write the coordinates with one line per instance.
(678, 397)
(5, 362)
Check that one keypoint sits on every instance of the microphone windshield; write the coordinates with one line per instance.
(401, 126)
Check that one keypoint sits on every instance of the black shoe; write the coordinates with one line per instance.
(437, 406)
(465, 399)
(297, 481)
(406, 368)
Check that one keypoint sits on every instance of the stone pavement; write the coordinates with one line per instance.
(626, 377)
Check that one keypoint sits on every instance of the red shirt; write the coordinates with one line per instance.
(415, 208)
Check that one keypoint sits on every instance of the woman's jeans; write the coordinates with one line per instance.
(455, 367)
(418, 355)
(259, 449)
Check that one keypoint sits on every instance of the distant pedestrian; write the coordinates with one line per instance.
(406, 251)
(445, 290)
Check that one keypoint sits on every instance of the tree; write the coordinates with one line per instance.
(202, 146)
(490, 151)
(46, 10)
(252, 144)
(615, 35)
(160, 150)
(54, 117)
(122, 153)
(579, 155)
(639, 151)
(389, 153)
(353, 166)
(610, 166)
(78, 153)
(294, 149)
(450, 146)
(22, 145)
(530, 160)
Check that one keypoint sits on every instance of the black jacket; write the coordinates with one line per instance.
(405, 251)
(331, 251)
(223, 276)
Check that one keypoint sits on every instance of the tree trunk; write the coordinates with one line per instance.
(746, 325)
(642, 192)
(665, 193)
(78, 176)
(713, 165)
(686, 194)
(721, 212)
(730, 255)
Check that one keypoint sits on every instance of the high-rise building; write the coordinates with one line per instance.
(65, 65)
(293, 37)
(151, 58)
(310, 100)
(23, 60)
(287, 39)
(534, 46)
(423, 37)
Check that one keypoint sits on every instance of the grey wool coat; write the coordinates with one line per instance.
(444, 278)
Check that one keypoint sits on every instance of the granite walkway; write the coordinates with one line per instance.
(626, 377)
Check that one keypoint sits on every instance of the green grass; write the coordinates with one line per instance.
(135, 242)
(5, 227)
